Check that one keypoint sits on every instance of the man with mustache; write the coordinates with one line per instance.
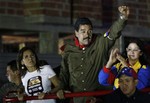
(127, 91)
(83, 58)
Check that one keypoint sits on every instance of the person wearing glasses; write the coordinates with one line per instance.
(135, 58)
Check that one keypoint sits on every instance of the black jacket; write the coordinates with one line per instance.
(118, 97)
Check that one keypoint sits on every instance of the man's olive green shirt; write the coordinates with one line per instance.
(80, 67)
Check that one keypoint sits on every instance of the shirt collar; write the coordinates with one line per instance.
(136, 66)
(83, 46)
(78, 44)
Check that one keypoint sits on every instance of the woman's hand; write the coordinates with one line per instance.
(122, 60)
(60, 94)
(112, 57)
(41, 95)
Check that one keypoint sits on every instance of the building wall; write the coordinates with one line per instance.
(50, 12)
(46, 15)
(11, 7)
(60, 11)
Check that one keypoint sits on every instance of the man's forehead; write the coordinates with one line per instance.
(83, 27)
(125, 77)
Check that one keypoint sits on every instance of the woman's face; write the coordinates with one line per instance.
(133, 51)
(28, 59)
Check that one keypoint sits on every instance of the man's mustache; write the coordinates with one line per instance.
(89, 37)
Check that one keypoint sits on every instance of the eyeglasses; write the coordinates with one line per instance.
(134, 50)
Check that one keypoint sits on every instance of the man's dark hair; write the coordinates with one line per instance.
(43, 62)
(13, 65)
(82, 21)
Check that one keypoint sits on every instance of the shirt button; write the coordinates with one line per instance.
(82, 81)
(81, 65)
(83, 51)
(84, 89)
(81, 72)
(83, 48)
(82, 58)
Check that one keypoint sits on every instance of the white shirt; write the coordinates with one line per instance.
(38, 81)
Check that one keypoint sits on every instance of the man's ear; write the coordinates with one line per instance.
(141, 53)
(22, 62)
(76, 33)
